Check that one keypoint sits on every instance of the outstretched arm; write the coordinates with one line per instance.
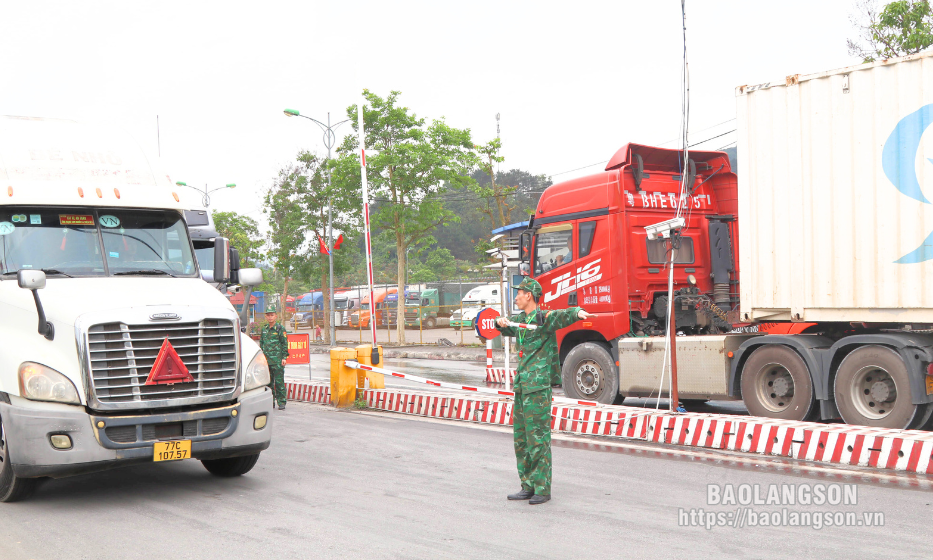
(560, 318)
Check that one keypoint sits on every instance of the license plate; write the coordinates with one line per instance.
(171, 450)
(929, 385)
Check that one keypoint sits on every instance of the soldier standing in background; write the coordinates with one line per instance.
(538, 369)
(274, 345)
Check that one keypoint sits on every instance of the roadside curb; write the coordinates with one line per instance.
(839, 444)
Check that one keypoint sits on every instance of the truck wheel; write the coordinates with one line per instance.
(873, 389)
(776, 383)
(12, 487)
(232, 466)
(589, 374)
(430, 323)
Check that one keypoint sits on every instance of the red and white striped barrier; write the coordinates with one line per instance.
(498, 375)
(356, 365)
(838, 444)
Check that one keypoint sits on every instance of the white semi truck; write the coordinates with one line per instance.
(113, 350)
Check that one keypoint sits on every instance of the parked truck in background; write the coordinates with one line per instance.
(149, 363)
(435, 303)
(345, 303)
(828, 220)
(477, 299)
(360, 318)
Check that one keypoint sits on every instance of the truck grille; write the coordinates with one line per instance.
(121, 356)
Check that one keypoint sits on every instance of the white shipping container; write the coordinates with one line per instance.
(835, 178)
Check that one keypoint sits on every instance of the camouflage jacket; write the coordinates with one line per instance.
(274, 343)
(538, 362)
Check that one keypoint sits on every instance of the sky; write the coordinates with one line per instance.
(572, 81)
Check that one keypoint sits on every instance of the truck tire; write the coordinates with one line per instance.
(589, 374)
(232, 466)
(872, 388)
(430, 323)
(776, 383)
(12, 487)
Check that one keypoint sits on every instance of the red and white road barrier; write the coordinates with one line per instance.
(523, 326)
(494, 374)
(837, 444)
(498, 375)
(356, 365)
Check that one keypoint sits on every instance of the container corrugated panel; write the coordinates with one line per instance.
(836, 194)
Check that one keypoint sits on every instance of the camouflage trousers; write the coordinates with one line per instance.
(531, 424)
(277, 384)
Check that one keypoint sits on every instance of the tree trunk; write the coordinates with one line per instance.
(400, 304)
(284, 299)
(325, 291)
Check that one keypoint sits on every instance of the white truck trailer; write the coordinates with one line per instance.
(113, 350)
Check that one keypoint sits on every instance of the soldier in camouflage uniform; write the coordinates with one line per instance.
(538, 369)
(274, 345)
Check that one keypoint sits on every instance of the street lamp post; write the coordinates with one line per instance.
(206, 198)
(329, 139)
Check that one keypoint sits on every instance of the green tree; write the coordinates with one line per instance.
(286, 241)
(299, 202)
(408, 164)
(900, 28)
(243, 233)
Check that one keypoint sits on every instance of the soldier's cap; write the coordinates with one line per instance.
(529, 285)
(270, 309)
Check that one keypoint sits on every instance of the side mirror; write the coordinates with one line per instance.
(524, 269)
(221, 260)
(31, 279)
(207, 276)
(34, 280)
(524, 252)
(250, 276)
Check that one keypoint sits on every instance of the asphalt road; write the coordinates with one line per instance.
(371, 485)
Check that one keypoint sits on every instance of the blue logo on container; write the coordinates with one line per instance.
(898, 160)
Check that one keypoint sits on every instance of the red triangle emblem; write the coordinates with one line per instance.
(168, 368)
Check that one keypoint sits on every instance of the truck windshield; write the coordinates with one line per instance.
(306, 308)
(340, 303)
(81, 242)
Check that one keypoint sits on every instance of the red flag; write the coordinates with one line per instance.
(324, 250)
(338, 242)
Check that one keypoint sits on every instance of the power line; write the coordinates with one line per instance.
(711, 138)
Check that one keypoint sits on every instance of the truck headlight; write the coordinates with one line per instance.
(257, 374)
(40, 383)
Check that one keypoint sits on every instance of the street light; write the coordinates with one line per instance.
(206, 199)
(329, 139)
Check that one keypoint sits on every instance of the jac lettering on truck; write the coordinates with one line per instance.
(825, 226)
(115, 350)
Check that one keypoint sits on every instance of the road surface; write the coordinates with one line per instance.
(340, 484)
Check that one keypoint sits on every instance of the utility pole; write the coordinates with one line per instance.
(329, 139)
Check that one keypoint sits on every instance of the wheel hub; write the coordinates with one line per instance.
(873, 392)
(783, 387)
(588, 377)
(883, 391)
(775, 387)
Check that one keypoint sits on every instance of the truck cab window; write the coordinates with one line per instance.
(657, 250)
(147, 242)
(587, 232)
(60, 240)
(553, 248)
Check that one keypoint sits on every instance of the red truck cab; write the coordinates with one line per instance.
(588, 246)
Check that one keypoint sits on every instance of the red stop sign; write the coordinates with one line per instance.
(486, 323)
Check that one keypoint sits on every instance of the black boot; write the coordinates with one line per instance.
(522, 495)
(538, 499)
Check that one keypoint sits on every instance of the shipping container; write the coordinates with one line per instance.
(835, 187)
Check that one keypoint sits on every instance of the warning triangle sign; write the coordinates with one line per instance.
(168, 368)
